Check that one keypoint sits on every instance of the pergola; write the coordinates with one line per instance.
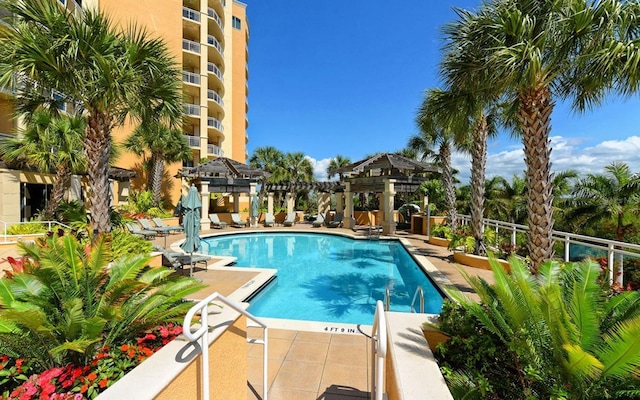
(224, 175)
(385, 174)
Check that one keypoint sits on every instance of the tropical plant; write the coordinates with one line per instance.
(271, 160)
(165, 144)
(108, 74)
(68, 302)
(533, 51)
(335, 164)
(507, 201)
(566, 335)
(49, 144)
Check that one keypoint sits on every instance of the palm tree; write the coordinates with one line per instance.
(110, 75)
(165, 145)
(437, 128)
(49, 144)
(507, 201)
(271, 160)
(298, 169)
(613, 196)
(532, 51)
(335, 164)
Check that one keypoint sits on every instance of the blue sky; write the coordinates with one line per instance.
(333, 77)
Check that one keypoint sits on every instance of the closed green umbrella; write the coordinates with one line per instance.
(191, 223)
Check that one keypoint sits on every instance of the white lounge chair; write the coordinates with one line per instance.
(319, 221)
(237, 222)
(215, 221)
(269, 220)
(291, 219)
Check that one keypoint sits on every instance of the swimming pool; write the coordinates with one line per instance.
(327, 278)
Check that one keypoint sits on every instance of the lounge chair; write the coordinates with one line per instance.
(319, 221)
(215, 221)
(135, 229)
(236, 221)
(177, 260)
(291, 219)
(337, 221)
(269, 220)
(146, 224)
(160, 224)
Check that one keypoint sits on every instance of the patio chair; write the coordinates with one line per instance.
(160, 224)
(269, 220)
(215, 221)
(135, 229)
(320, 220)
(291, 219)
(177, 260)
(146, 224)
(337, 221)
(236, 221)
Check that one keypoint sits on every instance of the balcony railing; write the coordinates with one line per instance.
(214, 123)
(190, 45)
(190, 14)
(192, 109)
(214, 150)
(213, 95)
(190, 77)
(212, 41)
(214, 15)
(194, 141)
(211, 67)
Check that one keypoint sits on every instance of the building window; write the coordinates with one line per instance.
(236, 23)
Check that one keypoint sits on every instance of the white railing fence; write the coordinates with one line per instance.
(6, 225)
(612, 248)
(378, 352)
(202, 335)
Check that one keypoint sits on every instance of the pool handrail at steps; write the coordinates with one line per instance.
(419, 293)
(378, 351)
(202, 334)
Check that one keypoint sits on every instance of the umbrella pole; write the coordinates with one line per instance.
(191, 265)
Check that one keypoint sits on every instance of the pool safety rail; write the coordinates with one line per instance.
(419, 294)
(8, 238)
(378, 352)
(202, 334)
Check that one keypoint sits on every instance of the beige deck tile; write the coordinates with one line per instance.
(295, 375)
(254, 373)
(309, 352)
(349, 376)
(345, 354)
(313, 337)
(291, 394)
(278, 348)
(282, 334)
(352, 340)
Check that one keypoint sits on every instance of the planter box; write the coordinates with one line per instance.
(472, 260)
(439, 241)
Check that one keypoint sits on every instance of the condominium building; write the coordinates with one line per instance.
(209, 39)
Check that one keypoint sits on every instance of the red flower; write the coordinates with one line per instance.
(92, 376)
(84, 388)
(124, 347)
(103, 383)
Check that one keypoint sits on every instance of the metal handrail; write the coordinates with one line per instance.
(378, 352)
(418, 294)
(387, 298)
(203, 334)
(48, 223)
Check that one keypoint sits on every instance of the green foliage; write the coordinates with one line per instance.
(567, 336)
(141, 201)
(123, 243)
(27, 228)
(69, 302)
(157, 212)
(462, 238)
(441, 231)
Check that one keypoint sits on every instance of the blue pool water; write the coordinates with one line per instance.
(328, 278)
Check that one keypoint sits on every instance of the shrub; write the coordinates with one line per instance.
(441, 231)
(67, 302)
(124, 243)
(29, 228)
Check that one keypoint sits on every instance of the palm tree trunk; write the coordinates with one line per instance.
(98, 147)
(478, 166)
(534, 115)
(63, 176)
(155, 177)
(449, 189)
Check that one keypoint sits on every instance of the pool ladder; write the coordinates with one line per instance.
(419, 294)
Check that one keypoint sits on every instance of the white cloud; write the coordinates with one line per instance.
(566, 154)
(319, 167)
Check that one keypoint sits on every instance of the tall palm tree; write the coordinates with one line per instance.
(438, 129)
(533, 51)
(107, 73)
(613, 196)
(49, 144)
(335, 164)
(299, 168)
(165, 145)
(507, 201)
(271, 160)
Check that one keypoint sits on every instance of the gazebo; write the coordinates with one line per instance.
(224, 175)
(385, 174)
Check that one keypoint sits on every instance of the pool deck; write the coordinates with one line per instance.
(304, 362)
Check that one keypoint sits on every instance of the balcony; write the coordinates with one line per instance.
(211, 67)
(194, 141)
(190, 45)
(192, 109)
(214, 123)
(214, 15)
(213, 150)
(212, 41)
(191, 15)
(190, 77)
(214, 96)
